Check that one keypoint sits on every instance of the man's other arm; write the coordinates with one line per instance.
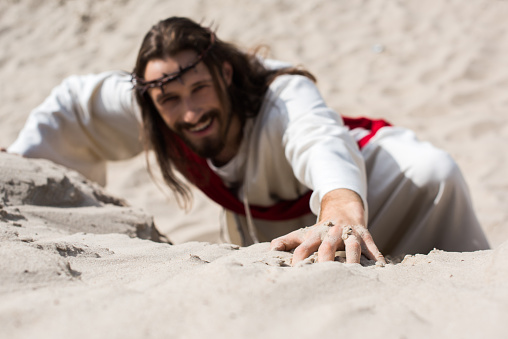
(85, 121)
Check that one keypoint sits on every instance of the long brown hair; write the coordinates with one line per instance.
(243, 97)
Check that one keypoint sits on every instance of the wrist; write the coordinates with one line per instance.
(342, 206)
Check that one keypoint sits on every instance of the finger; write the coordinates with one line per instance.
(370, 249)
(330, 245)
(353, 249)
(308, 247)
(287, 242)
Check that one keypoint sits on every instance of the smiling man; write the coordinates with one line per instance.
(191, 107)
(257, 137)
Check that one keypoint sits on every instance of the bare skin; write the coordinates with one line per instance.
(341, 226)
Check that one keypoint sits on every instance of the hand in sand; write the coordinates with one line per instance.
(341, 227)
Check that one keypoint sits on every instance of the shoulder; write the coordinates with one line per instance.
(275, 64)
(288, 97)
(84, 86)
(290, 85)
(102, 93)
(295, 94)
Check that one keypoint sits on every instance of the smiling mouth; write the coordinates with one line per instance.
(201, 126)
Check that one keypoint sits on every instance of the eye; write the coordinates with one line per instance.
(169, 98)
(200, 87)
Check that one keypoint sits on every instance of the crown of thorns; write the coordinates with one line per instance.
(142, 85)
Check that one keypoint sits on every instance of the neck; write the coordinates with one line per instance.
(232, 144)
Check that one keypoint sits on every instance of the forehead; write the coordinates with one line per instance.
(158, 68)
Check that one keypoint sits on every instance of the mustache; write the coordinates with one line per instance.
(214, 113)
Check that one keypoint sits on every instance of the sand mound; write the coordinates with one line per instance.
(39, 191)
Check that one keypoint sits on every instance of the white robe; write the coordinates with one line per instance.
(414, 195)
(84, 122)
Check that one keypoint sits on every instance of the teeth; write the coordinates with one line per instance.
(201, 126)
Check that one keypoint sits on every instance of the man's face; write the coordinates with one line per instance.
(190, 105)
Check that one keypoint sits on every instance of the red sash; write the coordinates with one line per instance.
(199, 173)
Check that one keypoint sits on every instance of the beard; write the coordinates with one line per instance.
(211, 146)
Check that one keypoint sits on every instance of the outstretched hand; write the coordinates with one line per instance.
(341, 227)
(326, 238)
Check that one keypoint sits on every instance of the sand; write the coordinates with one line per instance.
(80, 261)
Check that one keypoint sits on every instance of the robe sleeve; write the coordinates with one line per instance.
(321, 151)
(85, 121)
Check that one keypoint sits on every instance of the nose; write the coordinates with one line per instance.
(192, 111)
